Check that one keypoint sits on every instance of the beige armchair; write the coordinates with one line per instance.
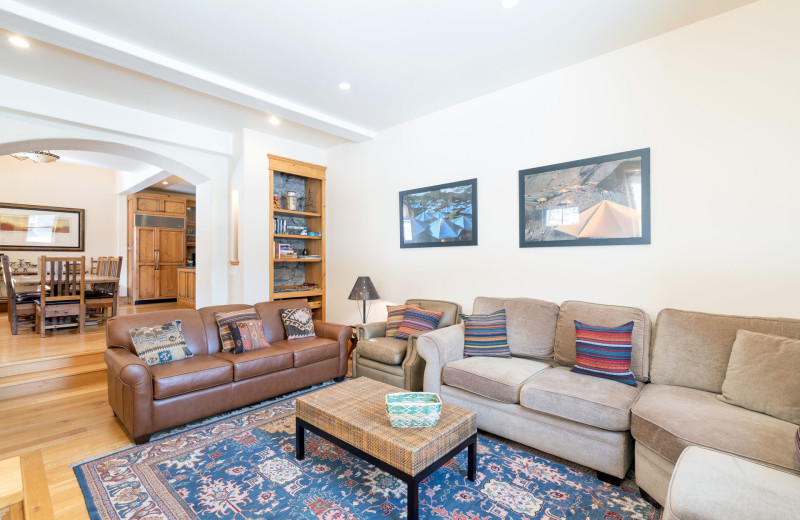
(395, 361)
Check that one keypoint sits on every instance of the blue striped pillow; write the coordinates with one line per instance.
(485, 335)
(417, 320)
(604, 352)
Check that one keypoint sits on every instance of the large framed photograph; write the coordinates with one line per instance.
(591, 202)
(442, 215)
(41, 228)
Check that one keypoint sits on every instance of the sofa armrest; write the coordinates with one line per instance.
(340, 334)
(438, 348)
(375, 329)
(130, 391)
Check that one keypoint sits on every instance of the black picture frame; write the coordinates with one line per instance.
(598, 201)
(441, 215)
(25, 227)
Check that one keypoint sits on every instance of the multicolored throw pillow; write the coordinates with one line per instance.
(226, 319)
(160, 344)
(298, 323)
(485, 335)
(247, 335)
(604, 352)
(417, 320)
(394, 319)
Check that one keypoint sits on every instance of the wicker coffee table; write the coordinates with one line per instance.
(353, 415)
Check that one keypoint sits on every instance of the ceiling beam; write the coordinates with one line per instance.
(61, 32)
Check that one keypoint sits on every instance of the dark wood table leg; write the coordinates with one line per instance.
(114, 304)
(472, 460)
(413, 499)
(299, 440)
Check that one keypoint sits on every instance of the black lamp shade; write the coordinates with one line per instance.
(363, 290)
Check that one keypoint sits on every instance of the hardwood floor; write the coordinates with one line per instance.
(69, 423)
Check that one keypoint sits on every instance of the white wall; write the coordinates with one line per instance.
(61, 184)
(717, 104)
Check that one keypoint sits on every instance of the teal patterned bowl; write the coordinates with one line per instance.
(413, 409)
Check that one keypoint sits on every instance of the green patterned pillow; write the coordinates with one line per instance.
(298, 323)
(160, 344)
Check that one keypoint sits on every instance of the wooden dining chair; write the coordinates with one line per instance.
(21, 309)
(102, 295)
(93, 265)
(65, 279)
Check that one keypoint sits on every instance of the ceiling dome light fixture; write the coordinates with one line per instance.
(508, 4)
(344, 85)
(274, 121)
(164, 182)
(36, 156)
(19, 41)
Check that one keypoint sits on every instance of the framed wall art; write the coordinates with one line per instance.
(597, 201)
(442, 215)
(41, 228)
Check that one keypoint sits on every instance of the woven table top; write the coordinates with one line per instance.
(355, 412)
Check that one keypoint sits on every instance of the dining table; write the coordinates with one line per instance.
(32, 282)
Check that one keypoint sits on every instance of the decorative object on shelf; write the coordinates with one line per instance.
(309, 203)
(276, 202)
(441, 215)
(36, 156)
(601, 200)
(41, 228)
(363, 290)
(291, 201)
(22, 266)
(413, 409)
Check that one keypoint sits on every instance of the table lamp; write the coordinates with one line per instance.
(363, 290)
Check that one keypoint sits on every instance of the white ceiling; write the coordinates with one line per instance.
(174, 184)
(227, 64)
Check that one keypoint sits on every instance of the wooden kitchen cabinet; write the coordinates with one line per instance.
(186, 285)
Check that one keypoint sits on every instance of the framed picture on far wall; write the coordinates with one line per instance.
(40, 228)
(442, 215)
(591, 202)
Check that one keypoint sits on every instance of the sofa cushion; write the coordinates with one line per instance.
(189, 375)
(667, 419)
(160, 343)
(389, 351)
(258, 362)
(299, 323)
(496, 378)
(226, 319)
(394, 318)
(530, 324)
(485, 334)
(692, 349)
(764, 375)
(417, 320)
(604, 316)
(309, 350)
(584, 399)
(449, 310)
(604, 352)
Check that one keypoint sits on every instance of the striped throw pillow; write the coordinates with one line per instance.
(604, 352)
(394, 319)
(485, 335)
(226, 319)
(417, 320)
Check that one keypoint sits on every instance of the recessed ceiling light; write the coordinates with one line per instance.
(164, 182)
(274, 121)
(508, 4)
(344, 85)
(19, 41)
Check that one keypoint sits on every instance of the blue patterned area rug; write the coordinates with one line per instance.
(242, 466)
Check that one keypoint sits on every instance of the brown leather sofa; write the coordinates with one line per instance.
(149, 399)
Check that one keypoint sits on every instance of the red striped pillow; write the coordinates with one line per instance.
(417, 320)
(394, 319)
(604, 352)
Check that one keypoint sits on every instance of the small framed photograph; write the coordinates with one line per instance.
(591, 202)
(441, 215)
(41, 228)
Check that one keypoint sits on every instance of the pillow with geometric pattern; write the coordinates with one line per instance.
(394, 319)
(248, 335)
(417, 320)
(604, 352)
(298, 323)
(226, 319)
(160, 344)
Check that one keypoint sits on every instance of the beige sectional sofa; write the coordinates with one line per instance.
(534, 399)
